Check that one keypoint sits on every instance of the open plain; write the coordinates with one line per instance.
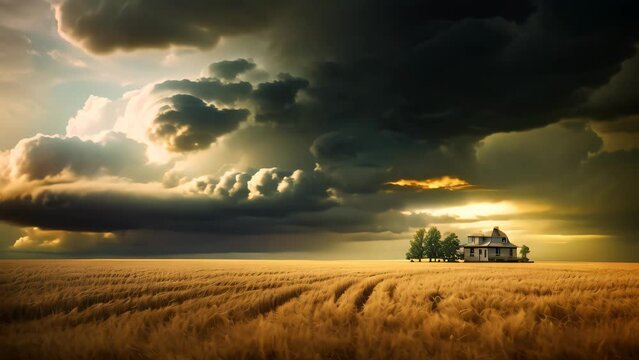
(243, 309)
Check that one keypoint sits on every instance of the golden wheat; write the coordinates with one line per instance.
(209, 309)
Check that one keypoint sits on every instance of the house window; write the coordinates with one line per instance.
(472, 251)
(503, 240)
(479, 252)
(498, 251)
(511, 252)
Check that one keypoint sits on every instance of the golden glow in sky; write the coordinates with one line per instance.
(474, 210)
(444, 182)
(478, 210)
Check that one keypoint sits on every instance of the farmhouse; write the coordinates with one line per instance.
(493, 247)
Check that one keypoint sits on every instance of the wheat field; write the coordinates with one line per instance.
(230, 309)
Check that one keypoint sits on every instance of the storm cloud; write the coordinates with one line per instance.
(201, 204)
(230, 69)
(275, 101)
(123, 25)
(208, 89)
(189, 124)
(429, 70)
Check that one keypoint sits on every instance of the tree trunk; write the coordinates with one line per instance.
(420, 259)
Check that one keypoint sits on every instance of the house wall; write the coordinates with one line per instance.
(483, 256)
(476, 240)
(476, 256)
(505, 254)
(492, 254)
(467, 256)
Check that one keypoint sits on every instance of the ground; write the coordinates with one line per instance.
(230, 309)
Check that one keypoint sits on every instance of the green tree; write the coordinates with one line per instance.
(433, 245)
(525, 250)
(417, 247)
(449, 247)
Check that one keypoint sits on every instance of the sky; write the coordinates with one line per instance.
(319, 130)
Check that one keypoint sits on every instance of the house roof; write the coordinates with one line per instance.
(494, 240)
(495, 232)
(491, 243)
(498, 233)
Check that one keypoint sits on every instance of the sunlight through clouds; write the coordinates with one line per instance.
(475, 211)
(444, 182)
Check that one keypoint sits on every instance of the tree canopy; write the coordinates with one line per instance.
(428, 244)
(433, 246)
(525, 250)
(417, 249)
(449, 247)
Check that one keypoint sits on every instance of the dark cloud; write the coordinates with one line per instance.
(354, 160)
(114, 154)
(103, 27)
(275, 101)
(423, 68)
(208, 89)
(618, 97)
(436, 76)
(336, 146)
(189, 124)
(235, 203)
(544, 155)
(230, 69)
(128, 25)
(361, 160)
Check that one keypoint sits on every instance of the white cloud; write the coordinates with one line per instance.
(98, 114)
